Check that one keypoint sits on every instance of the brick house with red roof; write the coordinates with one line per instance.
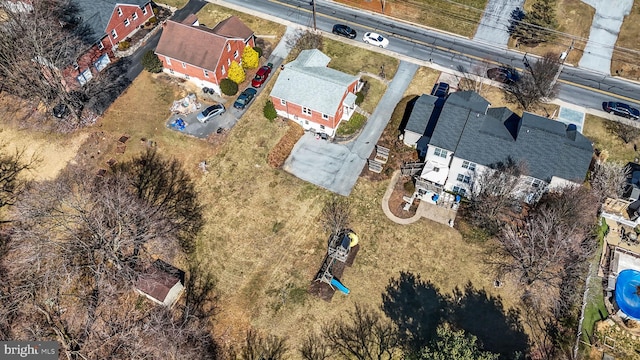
(200, 54)
(109, 22)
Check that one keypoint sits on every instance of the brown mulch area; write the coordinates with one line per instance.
(323, 290)
(281, 151)
(396, 203)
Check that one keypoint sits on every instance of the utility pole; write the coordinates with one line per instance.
(313, 5)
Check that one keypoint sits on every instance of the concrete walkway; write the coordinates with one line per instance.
(385, 204)
(605, 28)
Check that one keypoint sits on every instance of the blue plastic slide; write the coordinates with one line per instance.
(627, 292)
(339, 286)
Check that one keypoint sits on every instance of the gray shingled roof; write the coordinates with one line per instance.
(96, 13)
(545, 146)
(421, 113)
(307, 81)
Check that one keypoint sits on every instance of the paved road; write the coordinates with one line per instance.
(444, 49)
(336, 167)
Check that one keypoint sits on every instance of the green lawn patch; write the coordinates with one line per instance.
(595, 310)
(354, 124)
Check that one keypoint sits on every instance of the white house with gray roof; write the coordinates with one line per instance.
(313, 95)
(470, 137)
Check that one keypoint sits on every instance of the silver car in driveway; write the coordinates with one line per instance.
(210, 112)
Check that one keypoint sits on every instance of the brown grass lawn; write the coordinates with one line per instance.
(352, 59)
(459, 17)
(497, 98)
(574, 18)
(263, 240)
(603, 140)
(422, 82)
(212, 14)
(626, 56)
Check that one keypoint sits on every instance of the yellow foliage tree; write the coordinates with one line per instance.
(250, 58)
(236, 73)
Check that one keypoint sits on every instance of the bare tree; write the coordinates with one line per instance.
(37, 47)
(624, 132)
(258, 347)
(608, 180)
(12, 170)
(493, 195)
(364, 335)
(315, 347)
(304, 40)
(555, 237)
(472, 79)
(336, 214)
(78, 244)
(168, 187)
(538, 84)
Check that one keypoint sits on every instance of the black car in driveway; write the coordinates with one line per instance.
(503, 75)
(621, 109)
(344, 30)
(245, 98)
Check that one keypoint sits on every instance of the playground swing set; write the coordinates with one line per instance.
(339, 247)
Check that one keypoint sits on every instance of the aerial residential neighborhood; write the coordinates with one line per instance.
(328, 179)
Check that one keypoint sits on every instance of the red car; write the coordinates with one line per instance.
(261, 75)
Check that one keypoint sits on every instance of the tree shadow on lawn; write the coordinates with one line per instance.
(417, 307)
(484, 316)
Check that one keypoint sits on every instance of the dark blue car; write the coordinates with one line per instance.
(245, 98)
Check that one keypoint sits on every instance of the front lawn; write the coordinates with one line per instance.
(354, 124)
(603, 140)
(354, 60)
(211, 14)
(625, 56)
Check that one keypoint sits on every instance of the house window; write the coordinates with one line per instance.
(100, 46)
(184, 65)
(135, 16)
(460, 191)
(235, 54)
(223, 70)
(536, 183)
(228, 47)
(168, 60)
(325, 116)
(283, 102)
(440, 152)
(171, 71)
(206, 73)
(187, 77)
(144, 10)
(306, 110)
(119, 12)
(228, 62)
(321, 127)
(126, 22)
(469, 165)
(114, 34)
(464, 178)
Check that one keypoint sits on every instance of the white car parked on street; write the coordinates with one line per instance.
(375, 39)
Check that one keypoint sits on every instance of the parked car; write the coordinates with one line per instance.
(344, 30)
(440, 89)
(375, 39)
(261, 75)
(621, 109)
(503, 75)
(210, 112)
(245, 98)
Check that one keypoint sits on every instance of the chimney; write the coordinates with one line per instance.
(571, 131)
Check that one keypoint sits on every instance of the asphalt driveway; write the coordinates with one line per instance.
(336, 167)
